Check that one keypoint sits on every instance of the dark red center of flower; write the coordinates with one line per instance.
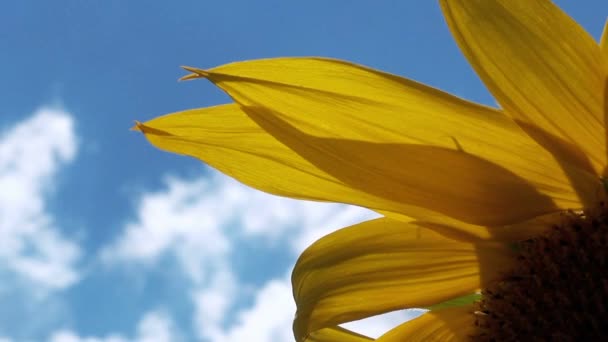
(558, 290)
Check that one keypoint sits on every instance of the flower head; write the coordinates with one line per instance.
(489, 213)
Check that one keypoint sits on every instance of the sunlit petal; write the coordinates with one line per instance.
(543, 69)
(385, 265)
(227, 139)
(345, 102)
(448, 181)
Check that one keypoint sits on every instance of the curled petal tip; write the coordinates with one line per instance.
(195, 73)
(138, 126)
(189, 77)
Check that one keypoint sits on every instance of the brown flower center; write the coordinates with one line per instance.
(558, 290)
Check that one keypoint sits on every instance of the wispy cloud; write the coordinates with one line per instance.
(155, 326)
(203, 223)
(31, 245)
(269, 318)
(213, 304)
(185, 222)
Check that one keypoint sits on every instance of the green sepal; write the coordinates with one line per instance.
(455, 302)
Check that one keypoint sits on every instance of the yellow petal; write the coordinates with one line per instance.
(336, 334)
(385, 265)
(341, 101)
(509, 233)
(448, 181)
(452, 324)
(542, 68)
(227, 139)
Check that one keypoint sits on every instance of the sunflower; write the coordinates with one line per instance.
(494, 219)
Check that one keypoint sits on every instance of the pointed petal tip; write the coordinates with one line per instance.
(148, 130)
(138, 127)
(195, 73)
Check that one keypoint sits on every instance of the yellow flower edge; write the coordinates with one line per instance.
(467, 191)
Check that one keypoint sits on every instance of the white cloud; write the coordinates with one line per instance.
(213, 304)
(258, 214)
(181, 222)
(192, 220)
(268, 319)
(31, 154)
(188, 221)
(327, 220)
(201, 223)
(70, 336)
(155, 326)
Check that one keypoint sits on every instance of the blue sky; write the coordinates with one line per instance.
(104, 238)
